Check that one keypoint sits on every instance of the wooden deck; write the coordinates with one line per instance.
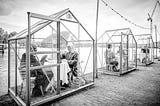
(107, 72)
(54, 96)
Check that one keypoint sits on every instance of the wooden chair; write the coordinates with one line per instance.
(23, 75)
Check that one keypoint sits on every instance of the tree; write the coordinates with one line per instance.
(12, 34)
(5, 37)
(1, 34)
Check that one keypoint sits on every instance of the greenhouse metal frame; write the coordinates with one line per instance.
(26, 35)
(124, 41)
(146, 43)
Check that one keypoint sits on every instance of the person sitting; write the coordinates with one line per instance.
(41, 80)
(72, 59)
(110, 58)
(144, 55)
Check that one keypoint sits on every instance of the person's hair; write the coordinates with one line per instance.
(109, 46)
(33, 47)
(63, 56)
(71, 45)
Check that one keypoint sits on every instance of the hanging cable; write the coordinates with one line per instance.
(124, 17)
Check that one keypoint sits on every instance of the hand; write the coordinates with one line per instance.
(68, 61)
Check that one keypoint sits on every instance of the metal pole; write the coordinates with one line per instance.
(121, 56)
(107, 60)
(149, 46)
(94, 60)
(146, 53)
(152, 49)
(58, 57)
(16, 67)
(151, 36)
(28, 98)
(156, 38)
(136, 52)
(149, 19)
(78, 43)
(52, 40)
(132, 50)
(96, 39)
(127, 49)
(9, 64)
(102, 52)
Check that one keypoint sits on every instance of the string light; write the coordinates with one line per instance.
(129, 21)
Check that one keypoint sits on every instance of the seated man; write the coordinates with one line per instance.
(41, 81)
(110, 58)
(72, 59)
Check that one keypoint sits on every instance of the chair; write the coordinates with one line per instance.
(43, 59)
(112, 64)
(23, 75)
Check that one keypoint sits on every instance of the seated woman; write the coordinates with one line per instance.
(72, 59)
(41, 81)
(110, 58)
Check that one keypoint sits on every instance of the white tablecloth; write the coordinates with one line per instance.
(64, 69)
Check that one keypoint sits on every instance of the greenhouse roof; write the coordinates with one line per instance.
(46, 20)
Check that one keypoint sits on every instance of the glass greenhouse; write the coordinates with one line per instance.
(117, 50)
(145, 51)
(45, 43)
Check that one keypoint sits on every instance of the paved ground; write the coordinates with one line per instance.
(138, 88)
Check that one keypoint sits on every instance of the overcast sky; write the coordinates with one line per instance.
(13, 13)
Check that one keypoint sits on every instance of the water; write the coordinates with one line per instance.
(3, 73)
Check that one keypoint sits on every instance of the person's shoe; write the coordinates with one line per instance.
(63, 88)
(65, 85)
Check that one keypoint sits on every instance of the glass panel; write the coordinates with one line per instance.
(21, 69)
(132, 53)
(85, 65)
(44, 54)
(76, 69)
(124, 53)
(12, 66)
